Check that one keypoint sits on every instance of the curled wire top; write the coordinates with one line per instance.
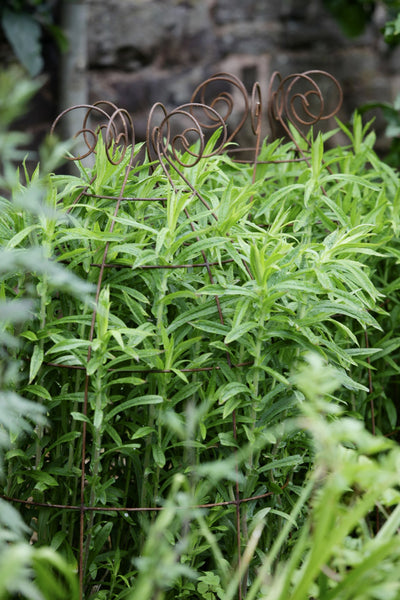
(166, 140)
(220, 102)
(113, 123)
(224, 92)
(299, 99)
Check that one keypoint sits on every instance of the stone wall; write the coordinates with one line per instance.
(144, 51)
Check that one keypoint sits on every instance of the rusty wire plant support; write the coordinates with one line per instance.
(298, 101)
(206, 113)
(116, 128)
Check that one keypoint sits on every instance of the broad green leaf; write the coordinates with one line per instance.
(23, 33)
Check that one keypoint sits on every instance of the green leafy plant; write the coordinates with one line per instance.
(336, 554)
(176, 458)
(173, 392)
(29, 572)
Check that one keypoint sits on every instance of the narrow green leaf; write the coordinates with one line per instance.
(231, 405)
(211, 327)
(80, 417)
(239, 330)
(21, 235)
(37, 390)
(140, 401)
(232, 389)
(288, 461)
(142, 432)
(68, 344)
(36, 362)
(29, 335)
(63, 439)
(227, 439)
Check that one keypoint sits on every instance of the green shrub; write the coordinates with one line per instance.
(177, 388)
(25, 571)
(336, 554)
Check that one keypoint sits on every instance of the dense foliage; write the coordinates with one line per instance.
(243, 340)
(35, 573)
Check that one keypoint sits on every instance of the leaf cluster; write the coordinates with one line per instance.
(212, 283)
(37, 574)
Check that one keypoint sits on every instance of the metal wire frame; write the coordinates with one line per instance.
(298, 101)
(287, 107)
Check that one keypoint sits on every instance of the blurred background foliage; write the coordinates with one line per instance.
(23, 23)
(354, 16)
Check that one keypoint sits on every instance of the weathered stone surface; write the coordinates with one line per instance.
(249, 38)
(144, 51)
(225, 11)
(134, 33)
(137, 92)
